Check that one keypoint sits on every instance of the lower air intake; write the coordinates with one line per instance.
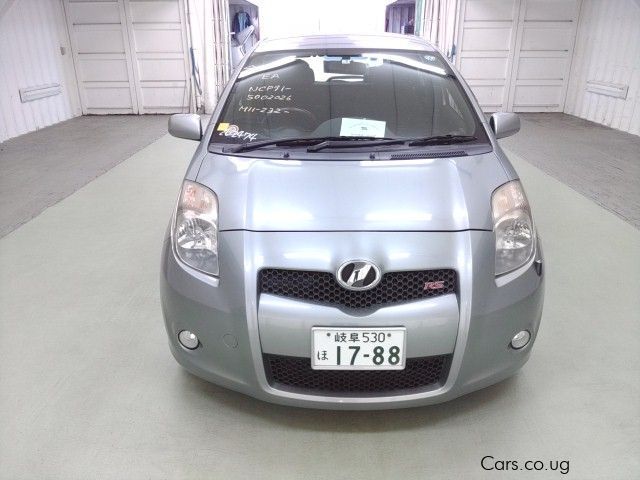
(295, 374)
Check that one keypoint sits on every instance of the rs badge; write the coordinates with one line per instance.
(434, 285)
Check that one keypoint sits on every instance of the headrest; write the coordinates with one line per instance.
(297, 72)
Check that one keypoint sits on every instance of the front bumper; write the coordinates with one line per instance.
(237, 326)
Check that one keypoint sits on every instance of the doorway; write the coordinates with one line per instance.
(245, 28)
(400, 17)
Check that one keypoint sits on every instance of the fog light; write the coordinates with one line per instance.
(520, 339)
(188, 339)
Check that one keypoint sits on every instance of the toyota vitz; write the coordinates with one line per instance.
(349, 233)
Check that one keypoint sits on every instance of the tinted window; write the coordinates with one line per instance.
(393, 94)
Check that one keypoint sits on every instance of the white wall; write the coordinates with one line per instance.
(31, 34)
(280, 18)
(607, 50)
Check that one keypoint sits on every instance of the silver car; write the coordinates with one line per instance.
(349, 234)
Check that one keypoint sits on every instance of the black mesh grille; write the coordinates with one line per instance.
(409, 156)
(323, 287)
(295, 374)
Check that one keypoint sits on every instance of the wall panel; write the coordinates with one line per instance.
(31, 35)
(486, 40)
(100, 42)
(542, 55)
(515, 54)
(159, 54)
(607, 50)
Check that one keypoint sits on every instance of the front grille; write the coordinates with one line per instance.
(323, 287)
(295, 374)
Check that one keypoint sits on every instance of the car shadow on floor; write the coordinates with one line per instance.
(345, 420)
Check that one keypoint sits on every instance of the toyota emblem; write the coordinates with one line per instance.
(358, 275)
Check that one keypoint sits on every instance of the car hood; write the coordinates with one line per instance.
(442, 194)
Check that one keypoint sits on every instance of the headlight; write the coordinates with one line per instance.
(195, 232)
(513, 227)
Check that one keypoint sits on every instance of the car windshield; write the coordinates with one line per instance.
(348, 95)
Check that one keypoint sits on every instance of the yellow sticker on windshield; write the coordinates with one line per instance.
(222, 127)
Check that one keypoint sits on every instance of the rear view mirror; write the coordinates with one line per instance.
(342, 67)
(504, 124)
(185, 125)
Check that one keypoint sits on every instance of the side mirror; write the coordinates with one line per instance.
(185, 125)
(504, 124)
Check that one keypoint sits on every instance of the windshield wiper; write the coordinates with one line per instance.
(440, 140)
(354, 142)
(316, 143)
(265, 143)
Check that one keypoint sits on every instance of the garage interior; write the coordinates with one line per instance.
(89, 177)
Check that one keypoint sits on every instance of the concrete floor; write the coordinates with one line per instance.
(601, 163)
(88, 388)
(43, 167)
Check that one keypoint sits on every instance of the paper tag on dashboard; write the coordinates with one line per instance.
(361, 127)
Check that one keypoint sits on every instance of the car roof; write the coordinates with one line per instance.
(387, 41)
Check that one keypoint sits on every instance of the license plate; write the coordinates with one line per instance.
(358, 348)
